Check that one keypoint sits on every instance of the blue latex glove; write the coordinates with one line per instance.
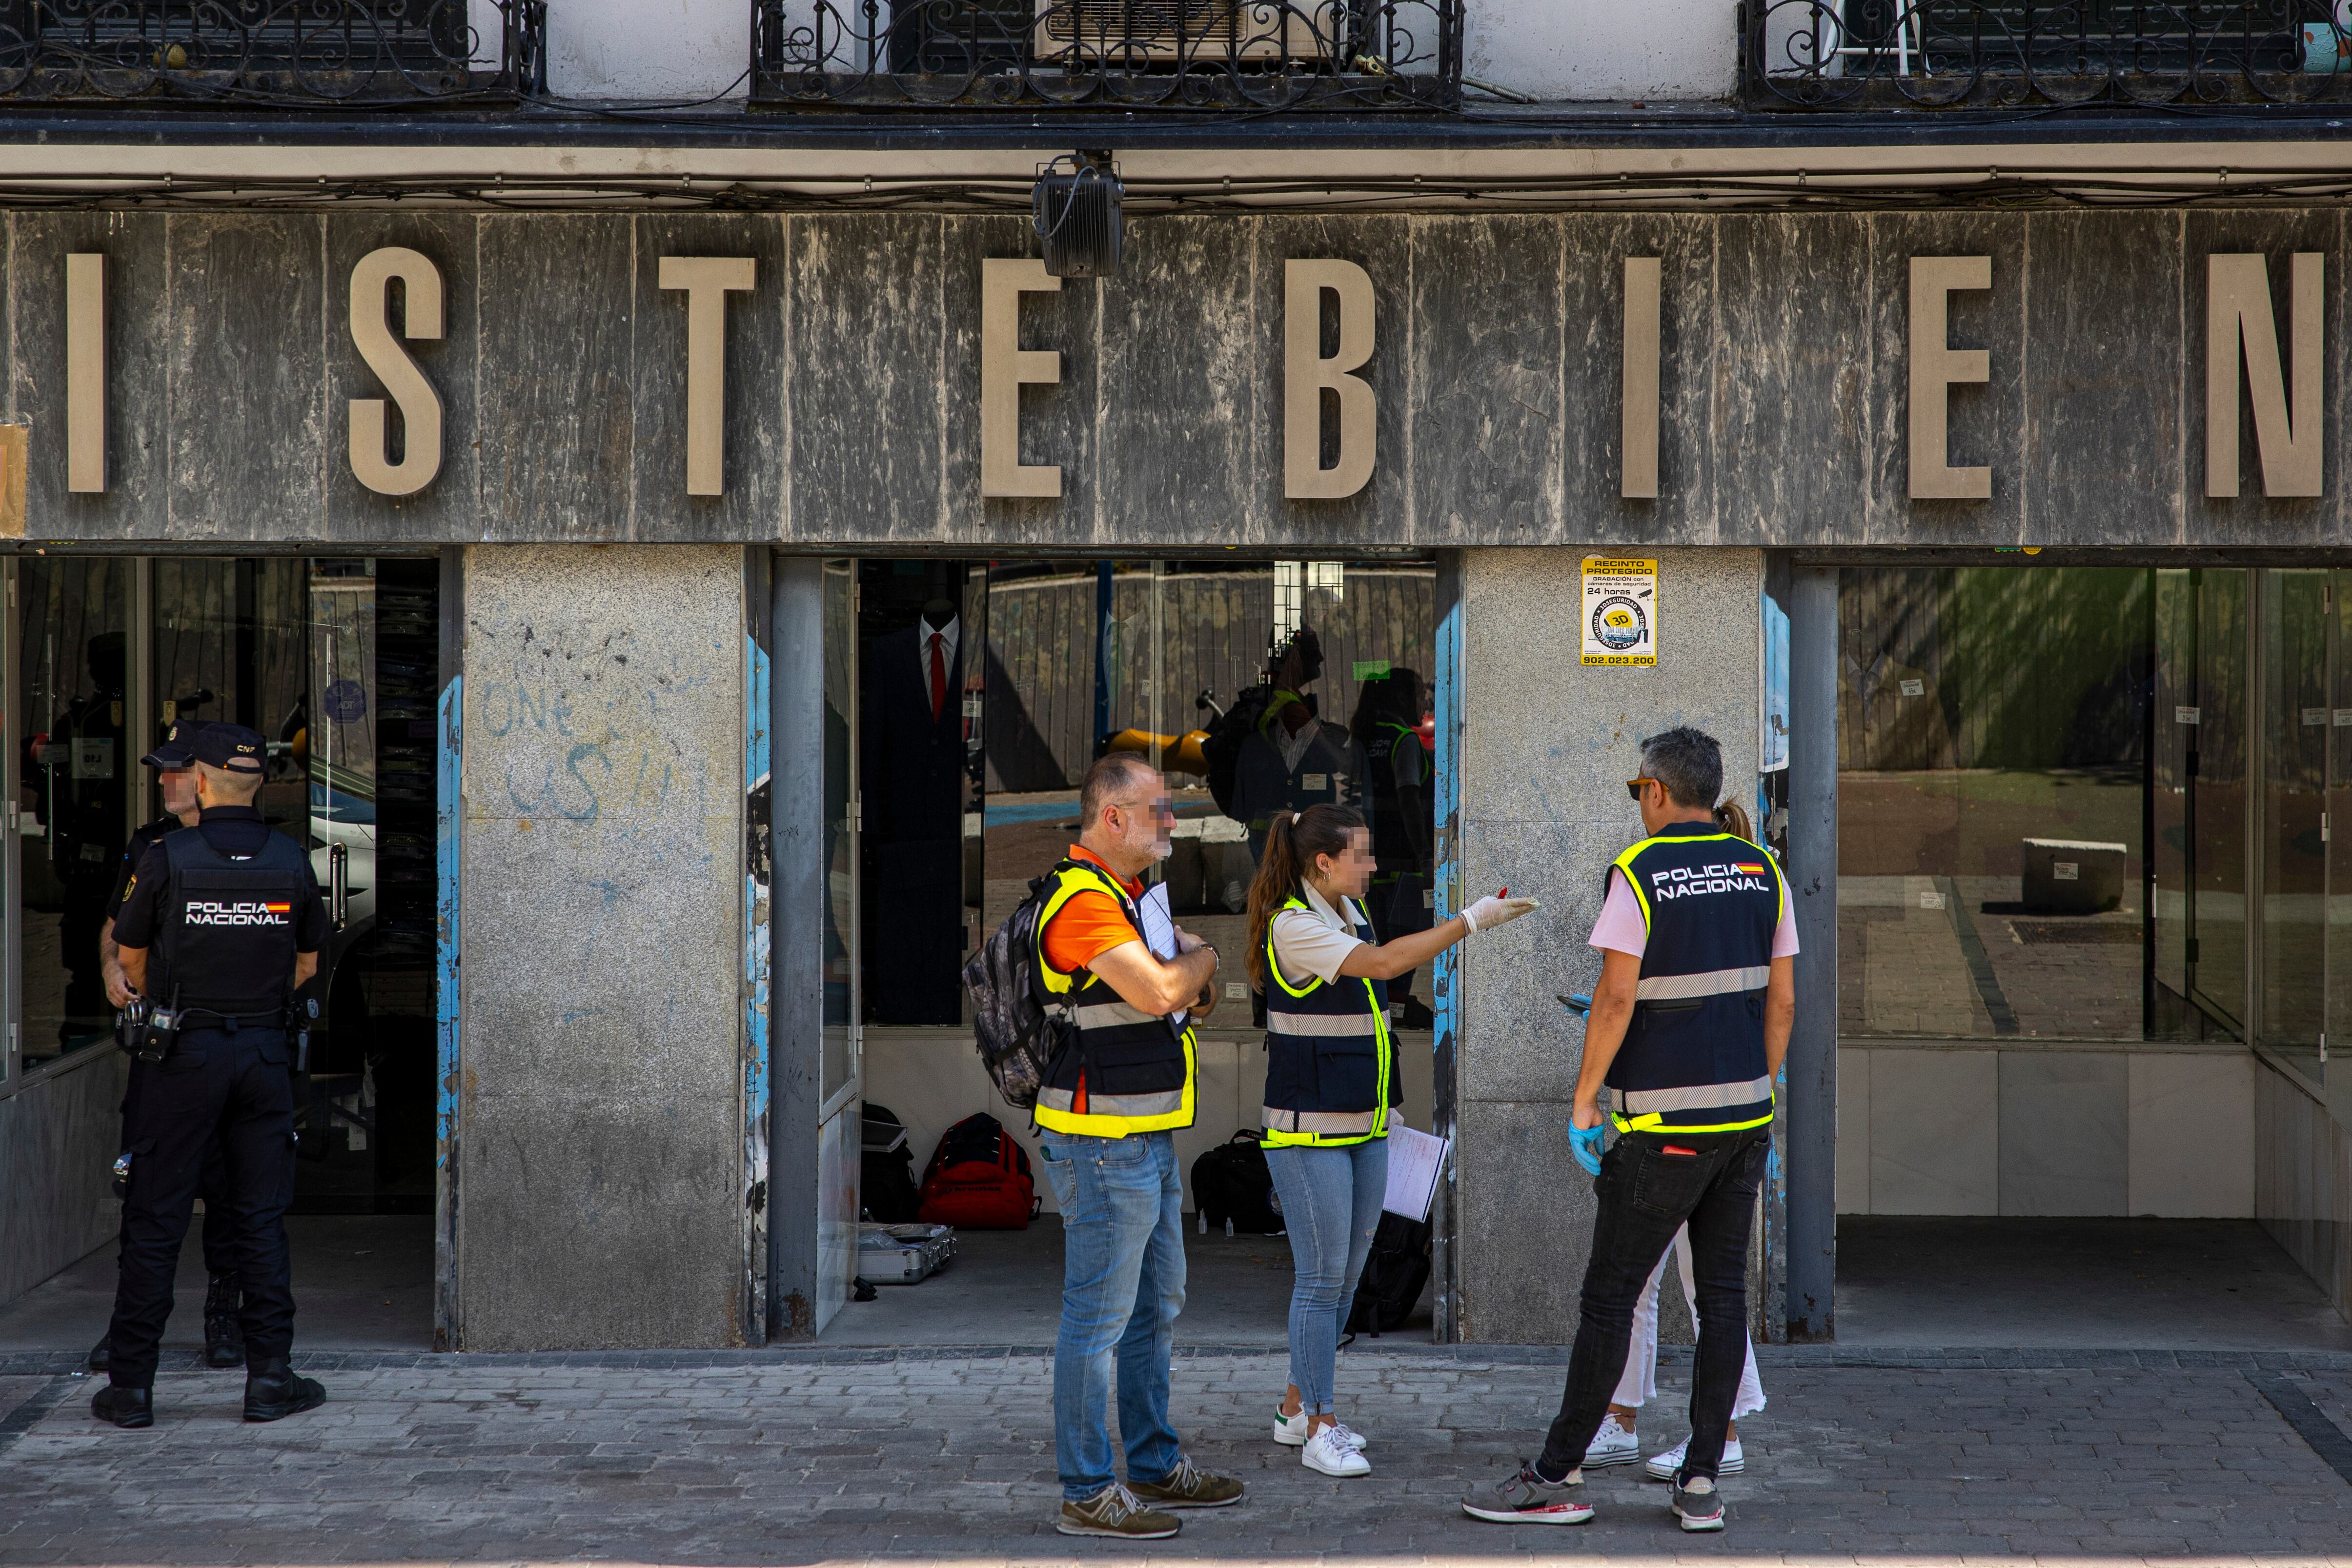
(1584, 1143)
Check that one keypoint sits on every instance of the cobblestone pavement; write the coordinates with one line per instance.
(797, 1461)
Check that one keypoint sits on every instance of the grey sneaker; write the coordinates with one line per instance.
(1695, 1501)
(1188, 1486)
(1528, 1498)
(1114, 1512)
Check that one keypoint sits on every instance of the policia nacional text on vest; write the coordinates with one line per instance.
(1693, 1059)
(1330, 1066)
(1123, 1071)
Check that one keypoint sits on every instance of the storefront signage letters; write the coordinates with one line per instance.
(1936, 365)
(707, 280)
(1005, 367)
(85, 371)
(420, 405)
(1307, 376)
(2286, 432)
(2285, 390)
(1637, 448)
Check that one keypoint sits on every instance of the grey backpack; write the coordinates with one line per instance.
(1017, 1036)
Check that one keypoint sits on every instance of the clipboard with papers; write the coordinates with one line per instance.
(1415, 1161)
(1159, 931)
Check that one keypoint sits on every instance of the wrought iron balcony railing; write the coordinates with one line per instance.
(1117, 55)
(271, 53)
(1990, 54)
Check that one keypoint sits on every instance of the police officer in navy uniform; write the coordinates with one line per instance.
(222, 923)
(175, 771)
(1689, 1030)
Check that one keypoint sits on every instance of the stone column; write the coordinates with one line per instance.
(601, 1101)
(1547, 745)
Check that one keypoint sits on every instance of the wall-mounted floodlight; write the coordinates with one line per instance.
(1076, 210)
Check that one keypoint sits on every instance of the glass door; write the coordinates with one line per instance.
(840, 1113)
(2217, 762)
(2297, 722)
(2173, 737)
(2338, 960)
(71, 728)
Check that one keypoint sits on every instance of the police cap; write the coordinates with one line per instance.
(178, 750)
(231, 747)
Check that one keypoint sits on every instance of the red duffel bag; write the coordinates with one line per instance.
(979, 1179)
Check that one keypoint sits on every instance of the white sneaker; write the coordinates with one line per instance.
(1615, 1444)
(1662, 1467)
(1328, 1452)
(1290, 1431)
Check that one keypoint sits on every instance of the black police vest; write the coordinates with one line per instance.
(227, 944)
(1692, 1059)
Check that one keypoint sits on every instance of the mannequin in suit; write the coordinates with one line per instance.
(913, 779)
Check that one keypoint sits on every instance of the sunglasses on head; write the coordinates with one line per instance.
(1634, 786)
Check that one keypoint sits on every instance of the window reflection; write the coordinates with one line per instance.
(1993, 779)
(1256, 687)
(73, 778)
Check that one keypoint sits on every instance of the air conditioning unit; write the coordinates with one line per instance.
(1099, 34)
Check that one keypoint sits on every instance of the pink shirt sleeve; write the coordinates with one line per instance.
(1620, 927)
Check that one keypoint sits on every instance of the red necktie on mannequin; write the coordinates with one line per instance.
(939, 676)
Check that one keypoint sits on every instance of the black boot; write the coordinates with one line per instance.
(273, 1391)
(102, 1352)
(224, 1336)
(124, 1406)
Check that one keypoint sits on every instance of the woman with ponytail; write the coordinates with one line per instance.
(1330, 1084)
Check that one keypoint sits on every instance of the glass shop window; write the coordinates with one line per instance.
(987, 688)
(1993, 785)
(75, 801)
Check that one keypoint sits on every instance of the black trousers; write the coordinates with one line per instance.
(230, 1091)
(212, 1178)
(1648, 1189)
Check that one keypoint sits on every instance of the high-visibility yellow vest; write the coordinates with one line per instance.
(1124, 1070)
(1330, 1066)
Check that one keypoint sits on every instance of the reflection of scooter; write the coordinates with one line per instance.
(1178, 753)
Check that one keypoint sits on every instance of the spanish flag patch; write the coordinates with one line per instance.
(1749, 868)
(278, 908)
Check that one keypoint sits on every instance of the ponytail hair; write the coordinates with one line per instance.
(1732, 818)
(1292, 842)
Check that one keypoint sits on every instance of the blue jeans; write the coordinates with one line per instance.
(1330, 1206)
(1122, 1286)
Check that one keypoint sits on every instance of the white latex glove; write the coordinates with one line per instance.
(1490, 912)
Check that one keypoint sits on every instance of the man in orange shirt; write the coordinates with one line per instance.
(1108, 1108)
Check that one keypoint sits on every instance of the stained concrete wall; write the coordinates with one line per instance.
(1547, 745)
(59, 1138)
(853, 380)
(600, 1198)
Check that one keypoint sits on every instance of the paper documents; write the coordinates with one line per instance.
(1414, 1160)
(1160, 928)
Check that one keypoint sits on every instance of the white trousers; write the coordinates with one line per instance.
(1639, 1384)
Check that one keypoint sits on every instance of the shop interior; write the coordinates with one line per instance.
(335, 661)
(986, 688)
(2087, 893)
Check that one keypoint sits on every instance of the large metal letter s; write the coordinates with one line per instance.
(420, 405)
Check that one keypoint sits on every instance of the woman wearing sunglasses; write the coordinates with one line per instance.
(1330, 1084)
